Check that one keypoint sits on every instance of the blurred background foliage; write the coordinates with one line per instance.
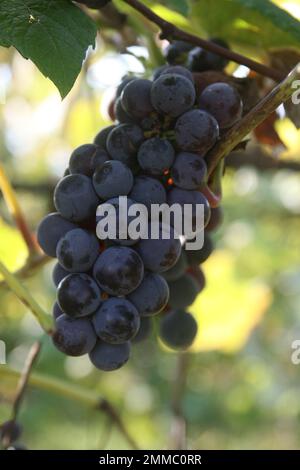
(242, 388)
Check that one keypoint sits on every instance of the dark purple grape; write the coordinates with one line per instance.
(196, 131)
(123, 143)
(74, 336)
(179, 70)
(50, 230)
(173, 95)
(116, 321)
(144, 331)
(183, 291)
(148, 191)
(178, 329)
(78, 295)
(160, 254)
(136, 98)
(216, 219)
(177, 51)
(112, 179)
(119, 270)
(182, 197)
(58, 274)
(78, 250)
(156, 155)
(158, 71)
(86, 158)
(223, 102)
(101, 137)
(178, 269)
(151, 296)
(189, 171)
(121, 115)
(124, 82)
(109, 357)
(56, 311)
(200, 60)
(75, 198)
(196, 257)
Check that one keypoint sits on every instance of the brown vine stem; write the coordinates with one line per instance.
(280, 94)
(71, 391)
(168, 30)
(178, 425)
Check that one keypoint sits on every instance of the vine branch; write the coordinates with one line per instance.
(72, 392)
(280, 94)
(169, 30)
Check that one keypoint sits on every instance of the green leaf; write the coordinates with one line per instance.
(178, 5)
(257, 24)
(54, 34)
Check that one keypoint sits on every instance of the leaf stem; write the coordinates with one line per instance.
(168, 30)
(26, 298)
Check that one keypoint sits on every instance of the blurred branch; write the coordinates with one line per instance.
(168, 30)
(178, 426)
(23, 294)
(260, 161)
(72, 392)
(280, 94)
(32, 264)
(16, 212)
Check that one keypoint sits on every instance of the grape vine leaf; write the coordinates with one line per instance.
(178, 5)
(256, 25)
(54, 34)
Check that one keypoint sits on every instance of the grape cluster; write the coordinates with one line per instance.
(108, 291)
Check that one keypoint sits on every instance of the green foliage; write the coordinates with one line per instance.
(54, 34)
(250, 23)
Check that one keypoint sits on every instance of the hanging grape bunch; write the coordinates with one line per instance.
(109, 291)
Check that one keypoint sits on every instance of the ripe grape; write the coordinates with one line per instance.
(196, 131)
(144, 331)
(121, 115)
(178, 329)
(112, 179)
(123, 143)
(116, 321)
(197, 273)
(189, 171)
(56, 311)
(183, 291)
(78, 295)
(75, 198)
(58, 274)
(136, 98)
(178, 269)
(216, 219)
(109, 357)
(156, 155)
(172, 94)
(119, 270)
(74, 336)
(77, 250)
(124, 82)
(148, 191)
(193, 198)
(151, 296)
(101, 137)
(176, 52)
(86, 158)
(50, 231)
(196, 257)
(178, 70)
(200, 60)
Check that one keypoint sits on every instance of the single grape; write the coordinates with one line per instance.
(216, 219)
(109, 357)
(158, 71)
(160, 254)
(116, 321)
(197, 273)
(196, 257)
(50, 230)
(119, 270)
(176, 52)
(74, 336)
(178, 70)
(136, 98)
(223, 102)
(127, 79)
(200, 60)
(112, 179)
(78, 295)
(178, 269)
(56, 311)
(183, 291)
(101, 137)
(144, 331)
(156, 155)
(178, 329)
(196, 131)
(148, 191)
(172, 94)
(151, 296)
(86, 158)
(193, 198)
(123, 143)
(58, 274)
(75, 198)
(120, 114)
(189, 171)
(78, 250)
